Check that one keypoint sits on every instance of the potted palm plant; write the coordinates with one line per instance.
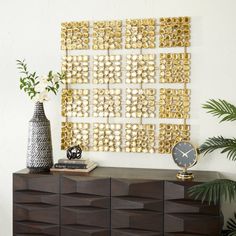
(220, 189)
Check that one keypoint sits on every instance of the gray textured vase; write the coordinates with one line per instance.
(39, 151)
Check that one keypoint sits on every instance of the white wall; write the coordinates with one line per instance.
(30, 29)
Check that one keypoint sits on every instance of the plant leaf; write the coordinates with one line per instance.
(214, 191)
(227, 145)
(221, 108)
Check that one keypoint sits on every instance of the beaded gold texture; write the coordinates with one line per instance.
(75, 102)
(140, 68)
(107, 69)
(174, 32)
(76, 69)
(140, 33)
(174, 103)
(75, 35)
(107, 137)
(140, 138)
(107, 35)
(170, 134)
(107, 103)
(174, 67)
(140, 103)
(74, 134)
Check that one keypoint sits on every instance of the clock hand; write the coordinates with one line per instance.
(180, 151)
(186, 154)
(189, 151)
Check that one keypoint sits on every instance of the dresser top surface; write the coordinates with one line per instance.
(134, 173)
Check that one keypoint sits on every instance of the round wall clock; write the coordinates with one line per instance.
(185, 156)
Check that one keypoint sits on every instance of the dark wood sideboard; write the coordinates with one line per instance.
(111, 201)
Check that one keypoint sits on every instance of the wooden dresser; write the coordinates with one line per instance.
(111, 201)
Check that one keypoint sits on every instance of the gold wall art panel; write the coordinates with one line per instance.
(140, 33)
(107, 103)
(116, 84)
(140, 138)
(75, 133)
(141, 103)
(170, 134)
(140, 68)
(174, 67)
(76, 69)
(107, 137)
(174, 32)
(107, 69)
(75, 102)
(75, 35)
(107, 35)
(174, 103)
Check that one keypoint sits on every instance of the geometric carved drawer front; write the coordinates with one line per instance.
(185, 216)
(136, 207)
(36, 205)
(85, 206)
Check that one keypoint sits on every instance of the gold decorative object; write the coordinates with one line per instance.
(107, 137)
(107, 69)
(107, 35)
(76, 69)
(75, 35)
(140, 138)
(140, 33)
(75, 102)
(174, 67)
(174, 103)
(174, 32)
(170, 134)
(107, 103)
(140, 103)
(140, 68)
(73, 134)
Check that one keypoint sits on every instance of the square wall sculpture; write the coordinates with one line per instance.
(107, 103)
(174, 103)
(140, 138)
(107, 137)
(107, 69)
(140, 68)
(76, 69)
(174, 67)
(141, 103)
(140, 33)
(107, 35)
(174, 32)
(74, 134)
(170, 134)
(75, 102)
(75, 35)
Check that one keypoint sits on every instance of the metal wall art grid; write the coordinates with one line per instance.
(130, 93)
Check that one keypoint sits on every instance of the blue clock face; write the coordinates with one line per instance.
(184, 154)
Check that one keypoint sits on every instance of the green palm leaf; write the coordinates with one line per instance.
(214, 191)
(230, 227)
(227, 145)
(221, 108)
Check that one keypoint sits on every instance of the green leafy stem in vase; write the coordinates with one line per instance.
(38, 88)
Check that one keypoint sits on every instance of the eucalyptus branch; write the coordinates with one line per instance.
(37, 87)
